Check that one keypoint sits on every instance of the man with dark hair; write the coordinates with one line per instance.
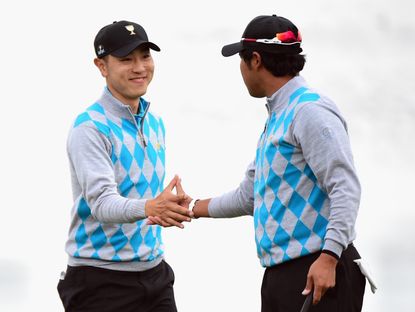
(302, 188)
(117, 155)
(284, 65)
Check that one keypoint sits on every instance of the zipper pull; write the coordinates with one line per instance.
(143, 141)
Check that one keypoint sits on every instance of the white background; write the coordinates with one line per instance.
(359, 52)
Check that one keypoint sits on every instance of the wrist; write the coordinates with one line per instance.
(200, 209)
(193, 203)
(329, 258)
(330, 253)
(135, 210)
(148, 208)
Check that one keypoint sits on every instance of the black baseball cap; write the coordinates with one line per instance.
(120, 39)
(268, 33)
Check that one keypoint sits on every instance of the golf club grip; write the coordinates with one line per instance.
(307, 302)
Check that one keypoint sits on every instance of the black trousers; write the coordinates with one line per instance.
(283, 284)
(89, 289)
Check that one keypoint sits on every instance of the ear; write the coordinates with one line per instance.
(256, 60)
(102, 66)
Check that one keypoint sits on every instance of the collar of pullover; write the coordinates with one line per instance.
(282, 96)
(116, 107)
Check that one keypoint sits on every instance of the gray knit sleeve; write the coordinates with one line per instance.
(238, 202)
(89, 154)
(321, 133)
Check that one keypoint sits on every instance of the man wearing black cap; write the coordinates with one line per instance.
(302, 188)
(117, 155)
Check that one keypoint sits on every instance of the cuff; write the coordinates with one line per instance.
(214, 208)
(328, 252)
(136, 211)
(330, 246)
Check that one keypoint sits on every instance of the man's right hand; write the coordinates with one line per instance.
(166, 206)
(321, 277)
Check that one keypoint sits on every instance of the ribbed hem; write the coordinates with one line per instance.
(130, 266)
(136, 211)
(228, 206)
(214, 208)
(333, 246)
(328, 252)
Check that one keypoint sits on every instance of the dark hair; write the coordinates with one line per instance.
(279, 65)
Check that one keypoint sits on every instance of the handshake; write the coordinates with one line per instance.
(169, 209)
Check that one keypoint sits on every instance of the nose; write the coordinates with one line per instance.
(138, 65)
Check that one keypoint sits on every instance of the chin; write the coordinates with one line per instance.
(139, 93)
(256, 95)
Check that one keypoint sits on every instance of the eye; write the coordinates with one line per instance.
(126, 59)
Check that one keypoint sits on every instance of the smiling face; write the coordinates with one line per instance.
(128, 77)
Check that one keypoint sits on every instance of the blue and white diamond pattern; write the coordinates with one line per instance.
(291, 212)
(140, 173)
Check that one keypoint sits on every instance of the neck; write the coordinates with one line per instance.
(133, 103)
(276, 83)
(134, 106)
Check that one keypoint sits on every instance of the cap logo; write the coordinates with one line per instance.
(130, 28)
(100, 50)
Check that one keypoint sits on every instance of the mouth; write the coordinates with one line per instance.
(137, 79)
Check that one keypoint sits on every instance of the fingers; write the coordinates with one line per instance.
(171, 215)
(182, 198)
(168, 209)
(161, 222)
(167, 221)
(172, 184)
(177, 213)
(318, 289)
(321, 277)
(173, 205)
(308, 286)
(179, 188)
(168, 191)
(317, 294)
(312, 286)
(154, 220)
(173, 222)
